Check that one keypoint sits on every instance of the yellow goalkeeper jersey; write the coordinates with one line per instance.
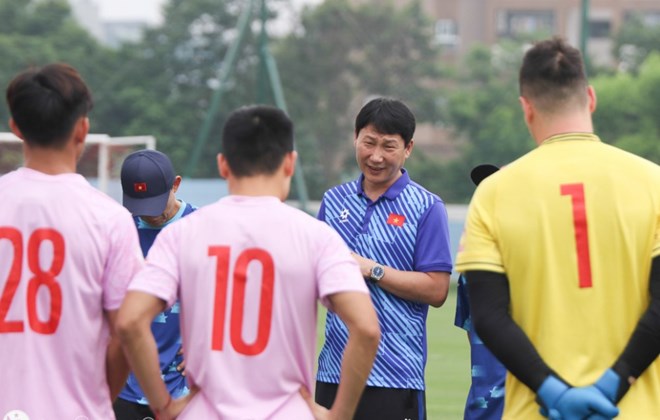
(574, 225)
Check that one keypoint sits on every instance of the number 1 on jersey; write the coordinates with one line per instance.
(576, 191)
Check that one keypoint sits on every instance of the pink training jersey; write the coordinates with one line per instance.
(249, 272)
(67, 253)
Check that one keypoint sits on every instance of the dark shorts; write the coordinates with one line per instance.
(380, 403)
(126, 410)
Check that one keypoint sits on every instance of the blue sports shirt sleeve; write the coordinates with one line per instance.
(432, 248)
(462, 305)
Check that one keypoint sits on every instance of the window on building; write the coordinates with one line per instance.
(446, 32)
(512, 23)
(600, 28)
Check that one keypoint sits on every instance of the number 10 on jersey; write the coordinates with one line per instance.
(238, 276)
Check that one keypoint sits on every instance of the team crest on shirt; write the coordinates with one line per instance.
(396, 219)
(343, 216)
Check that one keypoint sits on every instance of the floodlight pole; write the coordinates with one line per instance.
(226, 69)
(268, 67)
(262, 80)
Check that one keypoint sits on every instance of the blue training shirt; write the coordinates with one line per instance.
(485, 400)
(165, 327)
(407, 229)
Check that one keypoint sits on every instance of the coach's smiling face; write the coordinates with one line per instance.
(380, 158)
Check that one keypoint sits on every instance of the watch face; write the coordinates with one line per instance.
(377, 273)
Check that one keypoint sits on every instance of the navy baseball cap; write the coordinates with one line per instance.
(147, 176)
(481, 172)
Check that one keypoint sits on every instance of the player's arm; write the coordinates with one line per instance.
(134, 326)
(430, 288)
(116, 365)
(124, 261)
(356, 311)
(428, 281)
(489, 301)
(642, 348)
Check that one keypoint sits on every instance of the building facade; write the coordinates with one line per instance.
(460, 24)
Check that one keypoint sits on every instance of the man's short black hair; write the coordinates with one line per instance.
(45, 103)
(255, 140)
(387, 116)
(552, 74)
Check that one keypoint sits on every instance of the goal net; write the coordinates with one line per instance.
(100, 163)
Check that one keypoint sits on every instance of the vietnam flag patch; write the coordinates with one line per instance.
(396, 219)
(140, 187)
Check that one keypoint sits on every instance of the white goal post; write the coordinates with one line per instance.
(104, 142)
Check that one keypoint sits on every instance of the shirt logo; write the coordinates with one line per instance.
(343, 216)
(140, 187)
(396, 219)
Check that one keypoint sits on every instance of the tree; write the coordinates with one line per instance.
(482, 107)
(38, 32)
(340, 56)
(163, 84)
(635, 41)
(628, 107)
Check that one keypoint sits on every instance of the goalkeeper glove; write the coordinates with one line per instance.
(611, 386)
(559, 401)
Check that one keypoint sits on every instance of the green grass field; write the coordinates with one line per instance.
(448, 365)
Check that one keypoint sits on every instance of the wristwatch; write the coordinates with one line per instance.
(377, 272)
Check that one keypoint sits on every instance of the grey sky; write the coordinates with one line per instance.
(130, 9)
(150, 9)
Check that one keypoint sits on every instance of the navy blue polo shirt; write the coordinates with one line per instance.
(165, 326)
(406, 228)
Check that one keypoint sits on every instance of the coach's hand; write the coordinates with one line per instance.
(562, 402)
(182, 366)
(364, 263)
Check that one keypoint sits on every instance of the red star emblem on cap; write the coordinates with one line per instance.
(140, 187)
